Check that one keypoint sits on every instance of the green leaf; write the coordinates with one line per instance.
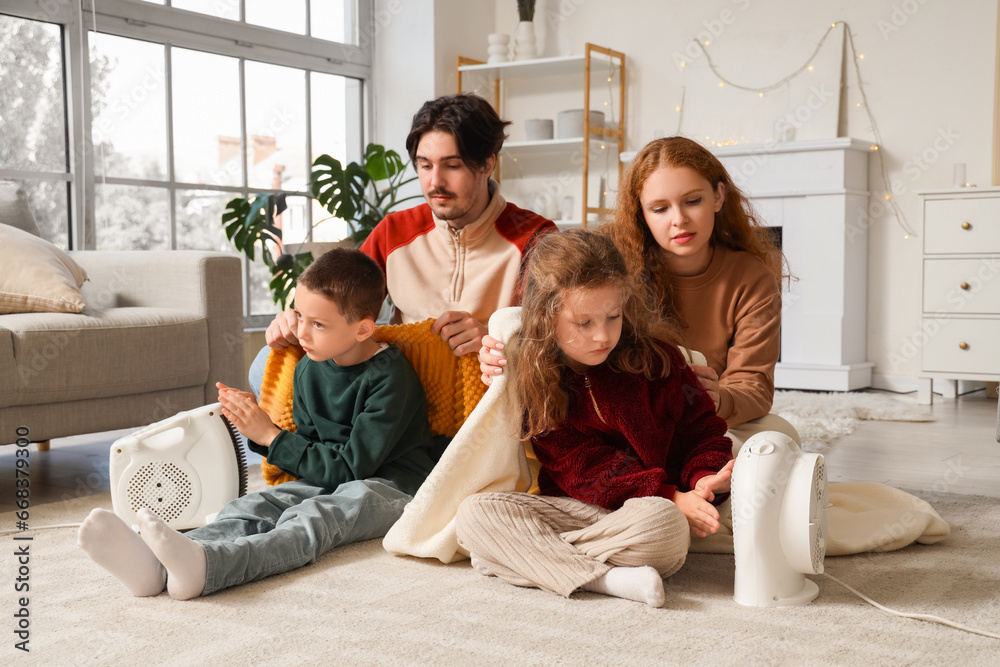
(382, 164)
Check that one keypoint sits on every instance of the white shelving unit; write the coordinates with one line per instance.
(594, 139)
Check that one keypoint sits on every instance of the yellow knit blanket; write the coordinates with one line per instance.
(451, 383)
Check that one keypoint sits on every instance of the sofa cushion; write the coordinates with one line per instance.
(14, 209)
(37, 277)
(65, 357)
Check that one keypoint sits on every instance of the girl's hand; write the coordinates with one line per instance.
(702, 516)
(709, 380)
(491, 359)
(720, 482)
(241, 409)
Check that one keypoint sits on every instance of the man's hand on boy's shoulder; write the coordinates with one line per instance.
(241, 409)
(281, 332)
(462, 331)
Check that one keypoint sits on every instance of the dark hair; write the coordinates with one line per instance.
(349, 278)
(476, 127)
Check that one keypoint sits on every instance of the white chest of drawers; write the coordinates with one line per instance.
(960, 332)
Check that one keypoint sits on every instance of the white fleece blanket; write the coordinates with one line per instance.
(486, 455)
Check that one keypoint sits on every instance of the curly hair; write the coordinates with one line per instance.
(737, 226)
(558, 264)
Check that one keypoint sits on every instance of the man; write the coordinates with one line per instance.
(457, 257)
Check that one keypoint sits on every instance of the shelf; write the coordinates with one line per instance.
(596, 140)
(550, 146)
(561, 65)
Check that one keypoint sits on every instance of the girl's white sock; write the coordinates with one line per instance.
(642, 584)
(183, 558)
(114, 546)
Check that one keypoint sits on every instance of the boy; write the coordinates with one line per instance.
(361, 449)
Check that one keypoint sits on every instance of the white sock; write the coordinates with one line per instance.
(183, 558)
(642, 584)
(114, 546)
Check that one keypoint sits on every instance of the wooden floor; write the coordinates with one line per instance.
(956, 453)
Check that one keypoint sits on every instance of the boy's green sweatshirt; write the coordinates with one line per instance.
(356, 422)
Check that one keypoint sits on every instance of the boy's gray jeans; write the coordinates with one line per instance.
(291, 525)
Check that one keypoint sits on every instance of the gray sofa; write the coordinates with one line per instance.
(159, 330)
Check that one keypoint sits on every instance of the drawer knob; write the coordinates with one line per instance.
(966, 225)
(963, 346)
(964, 285)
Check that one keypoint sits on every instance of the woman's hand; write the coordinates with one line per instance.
(241, 409)
(491, 359)
(709, 380)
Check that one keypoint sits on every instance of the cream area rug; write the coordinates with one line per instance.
(359, 605)
(821, 418)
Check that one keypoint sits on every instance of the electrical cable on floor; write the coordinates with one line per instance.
(919, 617)
(28, 530)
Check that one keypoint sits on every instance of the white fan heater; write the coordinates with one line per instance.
(184, 468)
(779, 501)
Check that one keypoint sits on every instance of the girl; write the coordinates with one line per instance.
(631, 450)
(710, 267)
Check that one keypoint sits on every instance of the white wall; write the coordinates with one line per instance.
(928, 70)
(415, 46)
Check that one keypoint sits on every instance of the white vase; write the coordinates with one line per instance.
(524, 41)
(498, 48)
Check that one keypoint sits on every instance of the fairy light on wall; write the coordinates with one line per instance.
(807, 66)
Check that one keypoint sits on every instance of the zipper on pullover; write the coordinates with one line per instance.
(458, 272)
(586, 382)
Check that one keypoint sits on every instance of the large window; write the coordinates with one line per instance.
(177, 107)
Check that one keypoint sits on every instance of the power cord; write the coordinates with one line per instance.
(55, 525)
(919, 617)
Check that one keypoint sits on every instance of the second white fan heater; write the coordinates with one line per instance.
(184, 468)
(779, 499)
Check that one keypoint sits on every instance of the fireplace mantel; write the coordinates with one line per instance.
(817, 192)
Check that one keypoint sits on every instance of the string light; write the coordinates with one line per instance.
(807, 65)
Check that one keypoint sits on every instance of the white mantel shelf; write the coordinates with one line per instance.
(817, 192)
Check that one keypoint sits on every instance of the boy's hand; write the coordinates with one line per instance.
(462, 331)
(241, 409)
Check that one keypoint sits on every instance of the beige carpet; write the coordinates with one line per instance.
(359, 605)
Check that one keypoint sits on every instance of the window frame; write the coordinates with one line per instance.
(166, 25)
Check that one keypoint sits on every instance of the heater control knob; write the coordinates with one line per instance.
(762, 448)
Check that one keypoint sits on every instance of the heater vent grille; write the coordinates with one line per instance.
(162, 487)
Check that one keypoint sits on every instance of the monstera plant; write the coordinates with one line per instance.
(360, 194)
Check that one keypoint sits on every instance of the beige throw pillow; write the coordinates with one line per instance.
(36, 276)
